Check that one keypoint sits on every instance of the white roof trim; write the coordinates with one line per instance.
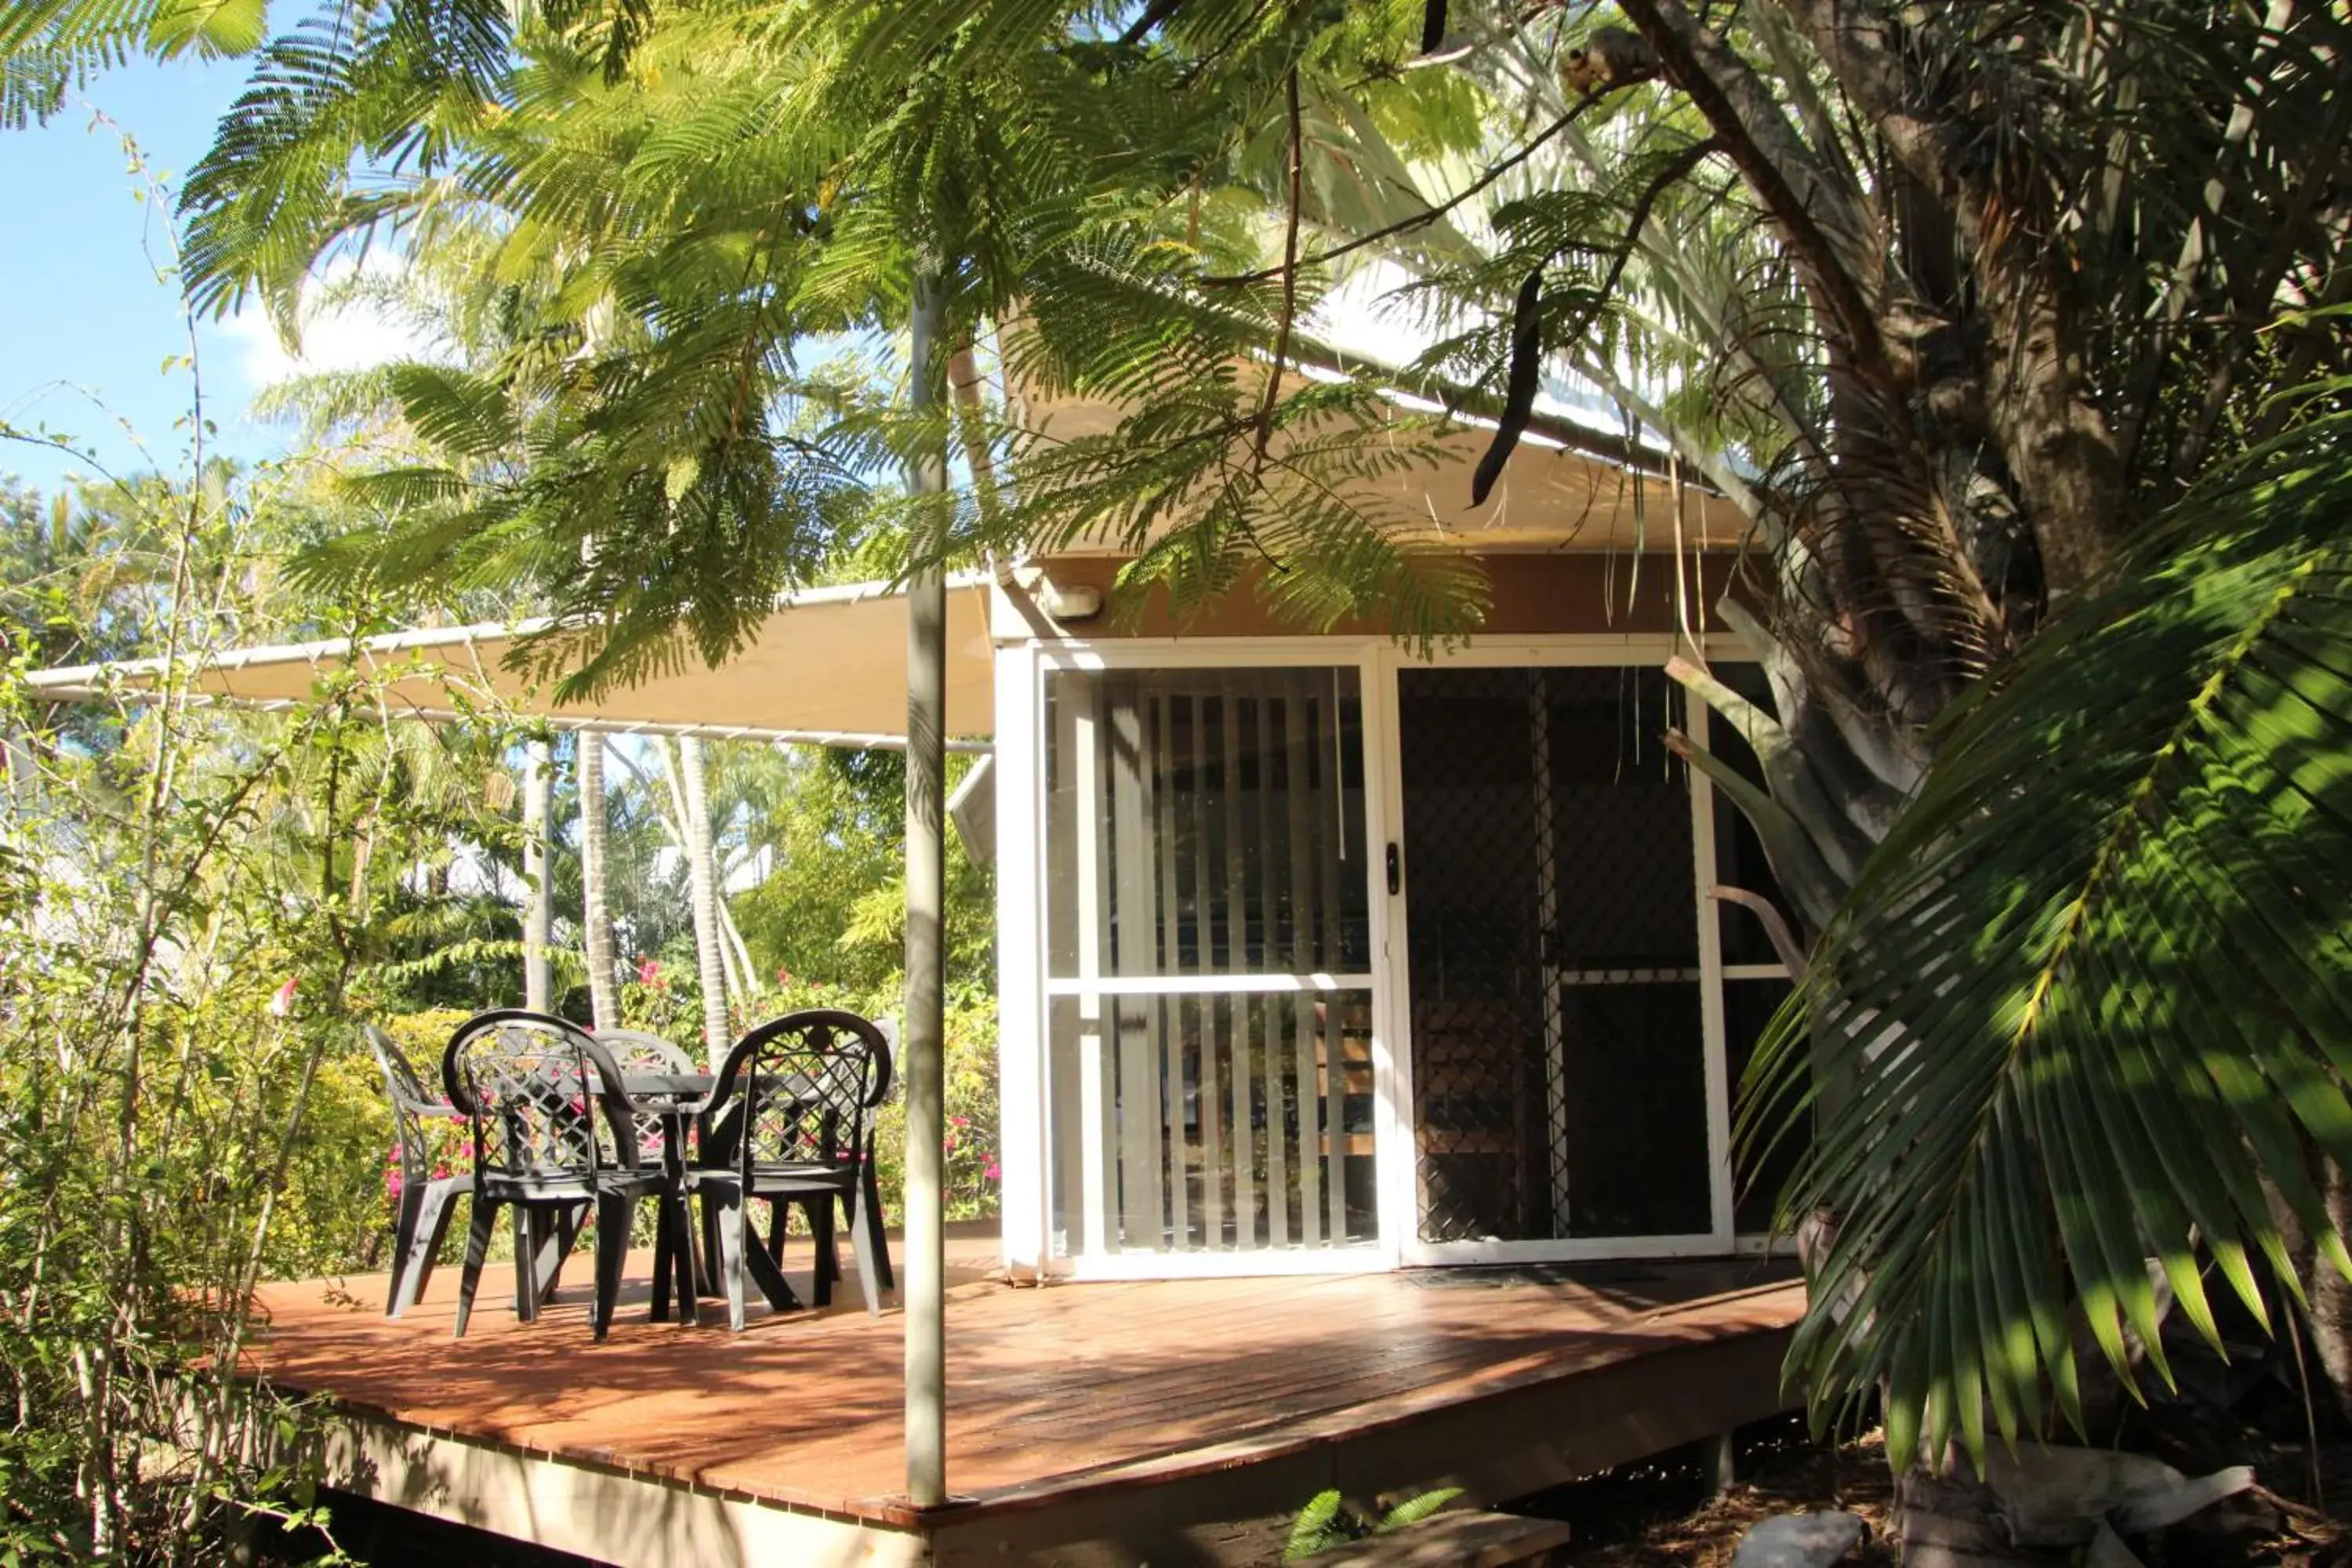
(85, 679)
(421, 685)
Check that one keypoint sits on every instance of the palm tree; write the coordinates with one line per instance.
(595, 904)
(2092, 991)
(539, 886)
(688, 771)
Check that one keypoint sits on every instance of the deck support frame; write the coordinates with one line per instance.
(1230, 1503)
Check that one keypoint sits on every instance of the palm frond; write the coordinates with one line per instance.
(2095, 993)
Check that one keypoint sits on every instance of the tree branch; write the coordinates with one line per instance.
(1153, 14)
(1289, 274)
(1825, 222)
(1854, 39)
(1420, 219)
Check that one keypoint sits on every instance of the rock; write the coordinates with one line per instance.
(1801, 1541)
(1949, 1522)
(2055, 1496)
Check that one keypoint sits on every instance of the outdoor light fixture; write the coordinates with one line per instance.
(1064, 604)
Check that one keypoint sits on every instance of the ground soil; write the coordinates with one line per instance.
(1659, 1513)
(1659, 1510)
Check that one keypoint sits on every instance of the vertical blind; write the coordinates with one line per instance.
(1207, 956)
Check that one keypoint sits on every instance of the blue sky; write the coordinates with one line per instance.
(79, 302)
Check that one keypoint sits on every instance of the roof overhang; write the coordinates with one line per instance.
(828, 667)
(1563, 487)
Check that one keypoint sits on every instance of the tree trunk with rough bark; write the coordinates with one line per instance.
(702, 880)
(595, 911)
(2327, 1323)
(1951, 1521)
(539, 893)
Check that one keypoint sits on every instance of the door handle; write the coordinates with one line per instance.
(1396, 871)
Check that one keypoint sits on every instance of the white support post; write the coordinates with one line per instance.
(1022, 1049)
(922, 1031)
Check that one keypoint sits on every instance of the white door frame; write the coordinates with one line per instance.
(1024, 987)
(1022, 669)
(1400, 1215)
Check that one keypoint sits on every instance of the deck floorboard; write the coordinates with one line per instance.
(1049, 1388)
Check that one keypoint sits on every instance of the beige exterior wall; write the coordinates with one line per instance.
(1530, 594)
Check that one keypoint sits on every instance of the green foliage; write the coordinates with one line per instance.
(2089, 1004)
(1321, 1525)
(195, 907)
(971, 1170)
(647, 453)
(831, 826)
(50, 46)
(1329, 1521)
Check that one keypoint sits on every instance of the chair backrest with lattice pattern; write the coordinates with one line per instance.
(797, 1089)
(544, 1099)
(412, 1102)
(639, 1051)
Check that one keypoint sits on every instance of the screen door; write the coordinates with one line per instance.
(1559, 1053)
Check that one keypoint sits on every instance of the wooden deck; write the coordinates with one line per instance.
(1089, 1423)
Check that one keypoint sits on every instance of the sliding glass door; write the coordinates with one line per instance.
(1208, 1084)
(1559, 1060)
(1260, 1017)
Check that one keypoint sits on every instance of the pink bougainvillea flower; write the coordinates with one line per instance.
(282, 1002)
(784, 976)
(649, 971)
(989, 1171)
(959, 1122)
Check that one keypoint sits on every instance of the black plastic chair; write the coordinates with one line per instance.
(819, 1209)
(639, 1051)
(426, 1206)
(788, 1122)
(421, 1218)
(553, 1130)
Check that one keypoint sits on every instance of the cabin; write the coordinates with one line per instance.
(1320, 955)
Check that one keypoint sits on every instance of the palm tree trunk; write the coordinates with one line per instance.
(2325, 1315)
(747, 979)
(702, 879)
(595, 917)
(537, 788)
